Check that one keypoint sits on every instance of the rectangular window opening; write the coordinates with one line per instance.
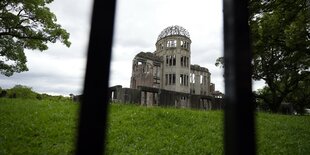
(174, 60)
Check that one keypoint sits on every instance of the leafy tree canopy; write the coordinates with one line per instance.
(26, 24)
(280, 33)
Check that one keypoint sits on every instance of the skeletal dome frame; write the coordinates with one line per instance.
(173, 30)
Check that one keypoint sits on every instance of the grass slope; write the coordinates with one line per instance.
(36, 127)
(48, 127)
(141, 130)
(283, 134)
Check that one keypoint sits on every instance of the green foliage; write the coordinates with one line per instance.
(280, 34)
(26, 25)
(25, 92)
(263, 96)
(300, 98)
(20, 91)
(219, 62)
(52, 97)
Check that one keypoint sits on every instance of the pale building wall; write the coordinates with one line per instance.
(200, 80)
(145, 72)
(176, 48)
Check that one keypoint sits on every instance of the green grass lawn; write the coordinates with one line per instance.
(141, 130)
(37, 127)
(48, 127)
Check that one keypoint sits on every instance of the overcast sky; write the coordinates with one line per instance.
(60, 70)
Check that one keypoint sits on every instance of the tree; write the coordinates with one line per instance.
(219, 62)
(26, 24)
(300, 98)
(280, 32)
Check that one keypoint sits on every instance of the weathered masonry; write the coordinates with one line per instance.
(166, 76)
(149, 96)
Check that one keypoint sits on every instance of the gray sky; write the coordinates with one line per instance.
(60, 70)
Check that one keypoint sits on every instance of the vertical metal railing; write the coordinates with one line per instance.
(93, 112)
(239, 132)
(239, 120)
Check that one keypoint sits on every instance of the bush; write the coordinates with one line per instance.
(20, 91)
(25, 92)
(52, 98)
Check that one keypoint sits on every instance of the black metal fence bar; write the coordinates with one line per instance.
(239, 132)
(93, 112)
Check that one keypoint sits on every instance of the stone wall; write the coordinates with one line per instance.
(149, 96)
(146, 70)
(200, 80)
(124, 95)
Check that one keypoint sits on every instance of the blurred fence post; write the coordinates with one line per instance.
(239, 129)
(93, 110)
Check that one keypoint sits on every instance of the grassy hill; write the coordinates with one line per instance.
(48, 127)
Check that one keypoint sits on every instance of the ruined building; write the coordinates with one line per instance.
(167, 77)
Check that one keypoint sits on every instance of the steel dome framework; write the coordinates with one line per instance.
(173, 30)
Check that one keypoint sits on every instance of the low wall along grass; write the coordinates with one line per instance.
(49, 127)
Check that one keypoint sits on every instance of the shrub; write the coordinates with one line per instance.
(20, 91)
